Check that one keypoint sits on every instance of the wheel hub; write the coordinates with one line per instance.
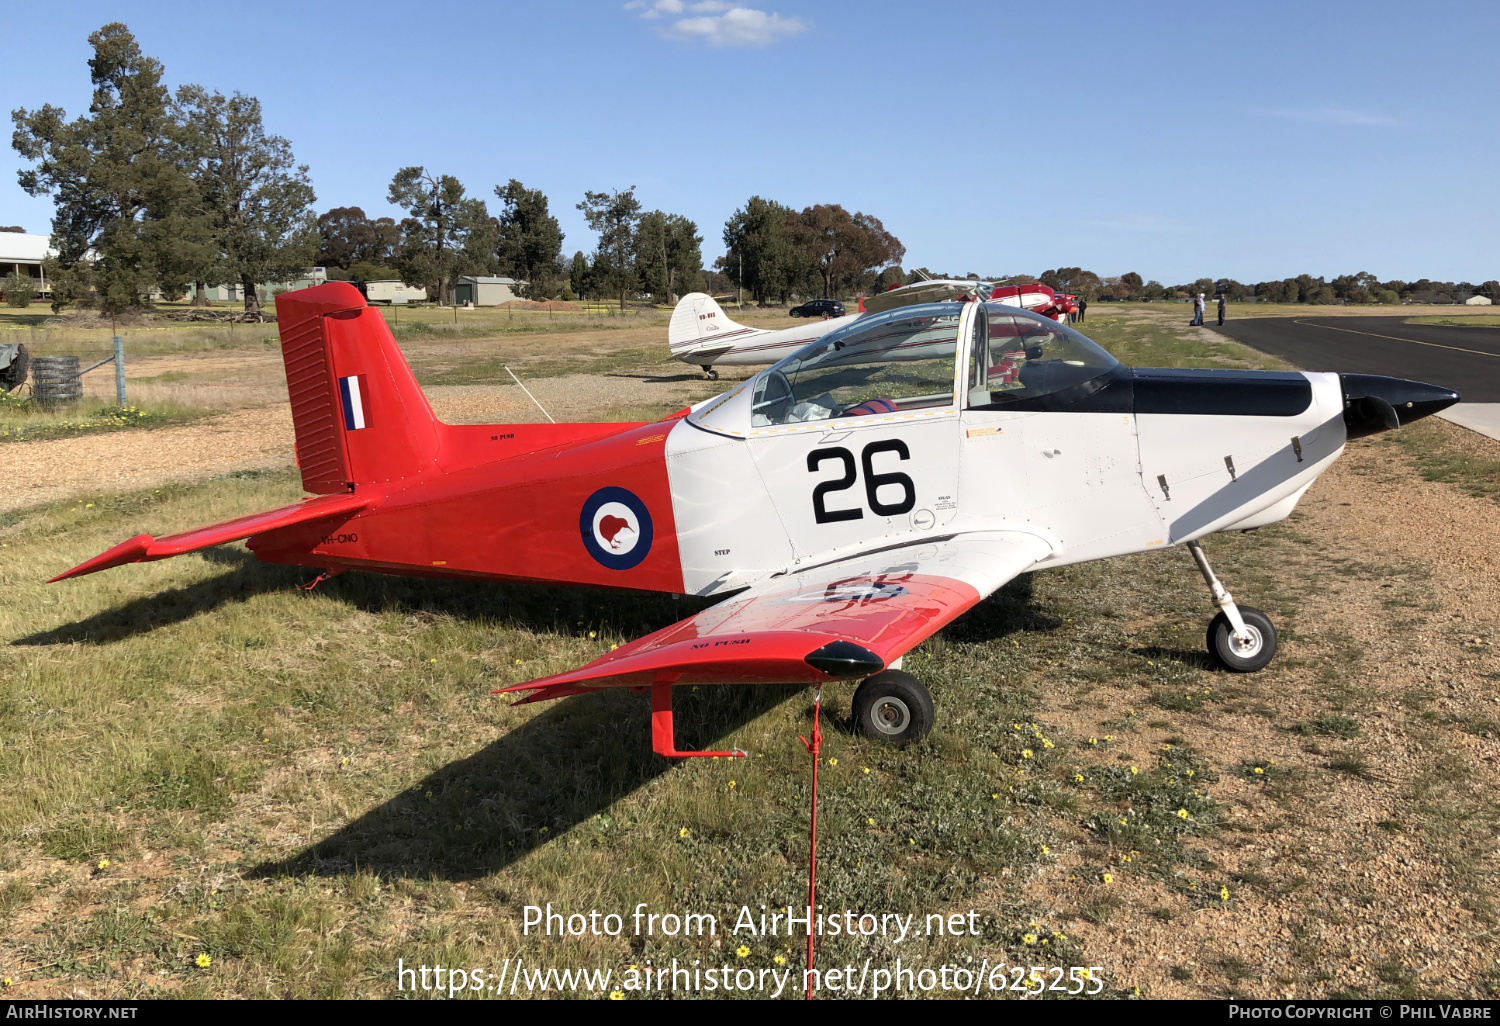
(890, 716)
(1249, 646)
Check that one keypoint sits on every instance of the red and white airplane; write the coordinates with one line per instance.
(701, 333)
(847, 502)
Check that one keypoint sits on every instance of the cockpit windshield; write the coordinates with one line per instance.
(882, 363)
(1020, 355)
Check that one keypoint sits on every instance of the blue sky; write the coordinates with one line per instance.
(1175, 140)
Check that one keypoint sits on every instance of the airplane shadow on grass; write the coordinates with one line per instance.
(562, 768)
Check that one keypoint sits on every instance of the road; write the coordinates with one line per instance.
(1462, 358)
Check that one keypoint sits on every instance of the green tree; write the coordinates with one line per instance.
(761, 255)
(844, 248)
(347, 237)
(668, 254)
(126, 215)
(257, 197)
(1073, 280)
(1135, 286)
(448, 234)
(579, 279)
(530, 240)
(613, 217)
(20, 290)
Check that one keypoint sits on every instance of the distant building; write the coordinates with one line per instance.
(392, 292)
(1477, 301)
(485, 291)
(23, 254)
(266, 292)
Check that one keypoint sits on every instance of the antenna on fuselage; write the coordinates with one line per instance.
(528, 394)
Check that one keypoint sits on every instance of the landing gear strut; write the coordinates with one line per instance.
(1240, 639)
(894, 707)
(710, 373)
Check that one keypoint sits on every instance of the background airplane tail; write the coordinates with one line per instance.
(360, 416)
(698, 322)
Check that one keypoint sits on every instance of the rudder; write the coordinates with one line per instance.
(359, 415)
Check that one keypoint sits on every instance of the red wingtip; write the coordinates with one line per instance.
(126, 552)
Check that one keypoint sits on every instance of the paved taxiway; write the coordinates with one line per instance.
(1466, 359)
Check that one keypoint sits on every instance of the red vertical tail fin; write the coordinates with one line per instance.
(359, 415)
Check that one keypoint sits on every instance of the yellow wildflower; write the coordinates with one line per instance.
(742, 950)
(1093, 740)
(1078, 777)
(865, 768)
(1259, 771)
(1223, 893)
(731, 785)
(1030, 938)
(1046, 850)
(869, 822)
(616, 995)
(833, 762)
(1133, 771)
(1182, 813)
(683, 832)
(1109, 737)
(779, 960)
(104, 863)
(204, 961)
(1109, 878)
(1026, 753)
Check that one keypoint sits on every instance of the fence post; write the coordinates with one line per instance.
(120, 371)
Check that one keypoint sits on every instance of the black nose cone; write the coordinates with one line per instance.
(1373, 403)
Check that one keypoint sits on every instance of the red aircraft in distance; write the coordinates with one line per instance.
(846, 502)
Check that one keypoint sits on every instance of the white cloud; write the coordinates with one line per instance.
(717, 23)
(1330, 115)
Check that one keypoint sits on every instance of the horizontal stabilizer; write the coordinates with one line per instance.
(143, 548)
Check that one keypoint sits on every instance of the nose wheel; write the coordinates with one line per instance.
(894, 707)
(1240, 639)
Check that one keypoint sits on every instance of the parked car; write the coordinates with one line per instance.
(818, 308)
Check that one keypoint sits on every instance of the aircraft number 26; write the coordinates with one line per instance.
(873, 481)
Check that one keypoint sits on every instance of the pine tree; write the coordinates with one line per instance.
(530, 240)
(257, 199)
(448, 234)
(126, 214)
(613, 215)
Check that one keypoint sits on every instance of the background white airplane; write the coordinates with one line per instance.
(701, 333)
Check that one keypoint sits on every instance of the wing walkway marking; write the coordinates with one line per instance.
(1398, 338)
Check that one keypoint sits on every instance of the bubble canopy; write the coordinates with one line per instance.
(904, 359)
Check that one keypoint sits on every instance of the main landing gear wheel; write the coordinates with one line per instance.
(893, 707)
(1243, 655)
(710, 374)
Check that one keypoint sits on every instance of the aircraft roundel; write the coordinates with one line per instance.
(616, 528)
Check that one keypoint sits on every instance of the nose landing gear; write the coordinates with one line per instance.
(894, 707)
(1240, 639)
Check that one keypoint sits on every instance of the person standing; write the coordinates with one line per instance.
(1221, 308)
(1083, 308)
(1198, 305)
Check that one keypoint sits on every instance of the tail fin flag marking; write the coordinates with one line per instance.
(356, 403)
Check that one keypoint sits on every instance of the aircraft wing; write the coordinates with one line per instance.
(845, 619)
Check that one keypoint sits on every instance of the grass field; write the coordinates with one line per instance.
(217, 784)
